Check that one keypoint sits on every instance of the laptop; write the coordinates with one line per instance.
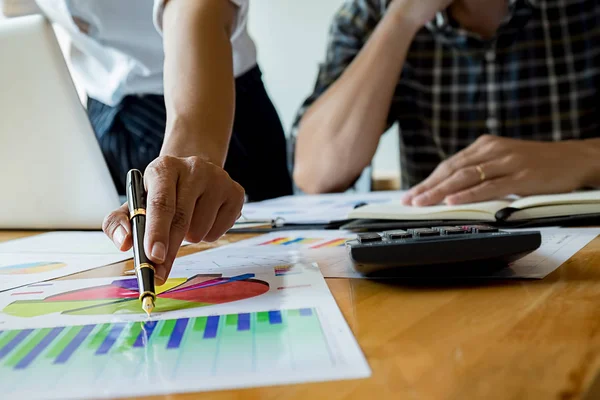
(52, 172)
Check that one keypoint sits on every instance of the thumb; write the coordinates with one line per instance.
(117, 227)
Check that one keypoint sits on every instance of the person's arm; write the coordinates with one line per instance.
(494, 167)
(198, 78)
(189, 194)
(338, 135)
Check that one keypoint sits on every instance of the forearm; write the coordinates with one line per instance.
(198, 78)
(339, 134)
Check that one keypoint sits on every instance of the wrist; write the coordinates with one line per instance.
(409, 15)
(186, 138)
(585, 156)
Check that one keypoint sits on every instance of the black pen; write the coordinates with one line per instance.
(144, 270)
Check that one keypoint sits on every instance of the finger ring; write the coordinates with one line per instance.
(481, 173)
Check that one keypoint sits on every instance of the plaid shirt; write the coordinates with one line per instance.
(537, 79)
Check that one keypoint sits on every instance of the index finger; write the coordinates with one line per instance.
(161, 205)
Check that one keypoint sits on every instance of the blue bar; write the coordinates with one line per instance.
(305, 312)
(68, 351)
(292, 241)
(274, 317)
(144, 336)
(177, 334)
(110, 339)
(10, 346)
(41, 346)
(243, 322)
(212, 324)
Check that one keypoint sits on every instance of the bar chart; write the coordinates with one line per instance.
(162, 351)
(312, 243)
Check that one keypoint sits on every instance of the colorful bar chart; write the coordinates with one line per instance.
(313, 243)
(206, 346)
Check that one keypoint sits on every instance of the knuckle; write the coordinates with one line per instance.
(110, 223)
(485, 139)
(162, 205)
(194, 236)
(463, 175)
(180, 220)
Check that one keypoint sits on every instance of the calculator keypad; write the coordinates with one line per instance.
(438, 232)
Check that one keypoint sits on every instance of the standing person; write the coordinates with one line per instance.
(174, 90)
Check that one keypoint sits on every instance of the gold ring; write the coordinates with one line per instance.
(136, 212)
(146, 265)
(481, 173)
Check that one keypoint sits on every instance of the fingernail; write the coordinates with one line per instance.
(160, 277)
(119, 236)
(159, 252)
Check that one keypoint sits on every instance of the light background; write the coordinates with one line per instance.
(292, 37)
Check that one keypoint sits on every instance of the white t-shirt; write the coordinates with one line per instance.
(116, 45)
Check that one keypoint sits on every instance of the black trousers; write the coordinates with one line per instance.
(131, 136)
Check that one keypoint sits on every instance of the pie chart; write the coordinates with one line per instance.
(121, 296)
(31, 268)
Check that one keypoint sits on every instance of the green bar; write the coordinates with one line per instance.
(7, 337)
(167, 328)
(99, 336)
(293, 313)
(132, 334)
(63, 342)
(24, 350)
(231, 319)
(262, 316)
(200, 324)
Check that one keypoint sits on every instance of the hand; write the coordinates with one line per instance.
(508, 166)
(419, 11)
(189, 198)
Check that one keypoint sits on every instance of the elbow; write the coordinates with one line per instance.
(319, 171)
(308, 181)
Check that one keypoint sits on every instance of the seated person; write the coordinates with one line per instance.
(174, 89)
(492, 98)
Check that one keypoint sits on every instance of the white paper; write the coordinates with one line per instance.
(290, 331)
(18, 270)
(71, 242)
(53, 255)
(558, 245)
(315, 209)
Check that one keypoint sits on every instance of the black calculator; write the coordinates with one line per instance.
(440, 250)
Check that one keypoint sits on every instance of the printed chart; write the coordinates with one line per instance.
(203, 347)
(312, 243)
(31, 268)
(294, 240)
(254, 326)
(121, 296)
(22, 269)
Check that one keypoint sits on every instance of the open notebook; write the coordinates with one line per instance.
(526, 208)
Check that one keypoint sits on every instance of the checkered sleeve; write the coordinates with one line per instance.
(352, 25)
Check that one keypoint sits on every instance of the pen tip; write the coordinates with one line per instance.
(148, 304)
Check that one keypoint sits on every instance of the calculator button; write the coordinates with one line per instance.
(451, 230)
(423, 232)
(481, 229)
(399, 234)
(368, 237)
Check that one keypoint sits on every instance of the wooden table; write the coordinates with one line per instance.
(510, 340)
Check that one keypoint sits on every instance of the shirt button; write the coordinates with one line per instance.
(490, 56)
(492, 123)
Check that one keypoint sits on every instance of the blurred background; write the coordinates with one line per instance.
(291, 36)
